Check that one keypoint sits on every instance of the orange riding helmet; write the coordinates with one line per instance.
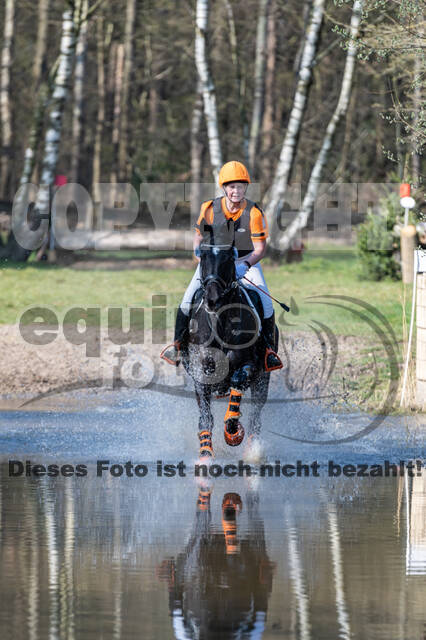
(233, 172)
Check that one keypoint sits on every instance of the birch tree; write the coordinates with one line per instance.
(5, 111)
(307, 6)
(123, 150)
(288, 150)
(52, 136)
(300, 221)
(79, 74)
(207, 85)
(259, 83)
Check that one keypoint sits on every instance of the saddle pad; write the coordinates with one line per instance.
(254, 297)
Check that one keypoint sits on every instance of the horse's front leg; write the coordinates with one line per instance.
(234, 430)
(205, 423)
(240, 379)
(259, 394)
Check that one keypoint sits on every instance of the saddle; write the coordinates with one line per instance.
(253, 295)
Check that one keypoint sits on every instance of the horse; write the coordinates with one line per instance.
(224, 351)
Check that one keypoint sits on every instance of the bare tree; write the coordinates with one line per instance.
(196, 150)
(5, 111)
(288, 150)
(101, 46)
(116, 125)
(239, 77)
(123, 150)
(40, 49)
(259, 83)
(269, 109)
(419, 104)
(207, 85)
(300, 221)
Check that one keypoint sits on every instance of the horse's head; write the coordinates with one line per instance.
(217, 272)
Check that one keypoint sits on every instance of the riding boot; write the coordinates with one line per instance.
(172, 353)
(272, 360)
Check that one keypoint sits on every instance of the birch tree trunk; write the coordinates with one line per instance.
(5, 111)
(288, 150)
(40, 49)
(207, 85)
(123, 151)
(269, 111)
(79, 73)
(306, 13)
(54, 126)
(100, 120)
(283, 242)
(13, 251)
(259, 84)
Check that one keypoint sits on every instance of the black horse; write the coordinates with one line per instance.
(225, 351)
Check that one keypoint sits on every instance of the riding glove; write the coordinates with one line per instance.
(241, 269)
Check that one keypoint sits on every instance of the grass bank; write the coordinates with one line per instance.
(323, 272)
(370, 313)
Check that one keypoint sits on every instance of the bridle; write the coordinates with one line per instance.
(225, 288)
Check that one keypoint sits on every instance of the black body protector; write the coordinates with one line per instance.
(228, 231)
(236, 231)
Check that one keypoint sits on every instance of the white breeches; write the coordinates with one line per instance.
(255, 274)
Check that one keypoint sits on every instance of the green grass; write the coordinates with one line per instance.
(322, 272)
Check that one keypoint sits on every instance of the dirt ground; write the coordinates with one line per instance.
(328, 373)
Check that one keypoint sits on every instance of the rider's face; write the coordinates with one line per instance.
(235, 191)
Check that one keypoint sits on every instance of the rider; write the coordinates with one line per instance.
(251, 231)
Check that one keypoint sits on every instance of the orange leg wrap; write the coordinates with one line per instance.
(233, 410)
(206, 447)
(203, 502)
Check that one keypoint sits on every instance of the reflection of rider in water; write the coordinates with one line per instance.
(220, 585)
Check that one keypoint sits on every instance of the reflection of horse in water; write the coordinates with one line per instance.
(220, 585)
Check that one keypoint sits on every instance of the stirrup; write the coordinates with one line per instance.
(206, 447)
(275, 360)
(169, 357)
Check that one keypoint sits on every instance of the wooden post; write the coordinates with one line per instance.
(421, 340)
(408, 246)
